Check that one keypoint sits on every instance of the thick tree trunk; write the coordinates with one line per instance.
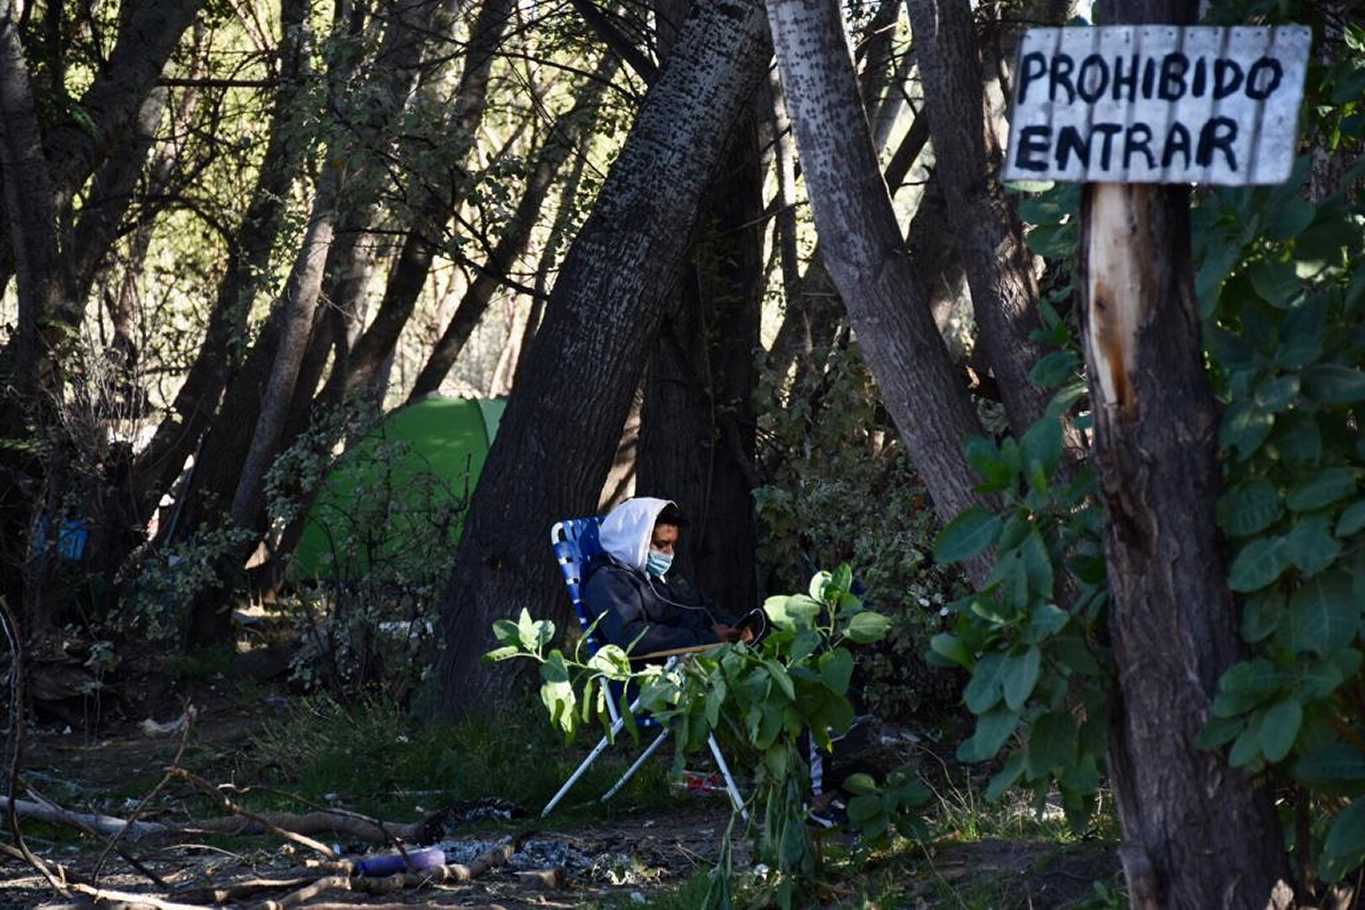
(697, 425)
(565, 137)
(989, 235)
(862, 248)
(1172, 618)
(1197, 833)
(563, 424)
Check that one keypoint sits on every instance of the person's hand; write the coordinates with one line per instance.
(727, 633)
(746, 634)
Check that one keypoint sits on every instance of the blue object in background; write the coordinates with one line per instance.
(71, 538)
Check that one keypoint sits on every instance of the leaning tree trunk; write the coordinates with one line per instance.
(563, 423)
(1197, 834)
(990, 237)
(862, 248)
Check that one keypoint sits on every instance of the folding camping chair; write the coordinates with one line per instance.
(575, 542)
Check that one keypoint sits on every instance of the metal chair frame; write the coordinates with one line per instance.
(574, 542)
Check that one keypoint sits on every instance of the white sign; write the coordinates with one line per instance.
(1157, 104)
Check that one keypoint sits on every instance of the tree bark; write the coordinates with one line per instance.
(1196, 833)
(565, 137)
(989, 234)
(563, 423)
(862, 248)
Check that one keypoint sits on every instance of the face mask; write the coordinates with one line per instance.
(658, 563)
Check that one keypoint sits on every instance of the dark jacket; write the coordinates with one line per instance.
(662, 613)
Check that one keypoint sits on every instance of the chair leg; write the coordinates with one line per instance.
(587, 762)
(735, 799)
(630, 772)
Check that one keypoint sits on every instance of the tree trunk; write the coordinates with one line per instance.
(989, 235)
(409, 275)
(697, 425)
(563, 424)
(1197, 834)
(196, 402)
(565, 137)
(862, 248)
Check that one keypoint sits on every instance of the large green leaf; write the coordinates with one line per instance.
(1275, 282)
(836, 669)
(1037, 565)
(1278, 393)
(1298, 439)
(1258, 564)
(1261, 615)
(1280, 728)
(1323, 615)
(1310, 545)
(1324, 488)
(992, 730)
(1054, 369)
(1249, 508)
(1042, 443)
(951, 647)
(1333, 383)
(1245, 426)
(983, 690)
(1006, 777)
(966, 535)
(1301, 335)
(867, 627)
(1345, 844)
(1019, 675)
(1051, 744)
(1352, 520)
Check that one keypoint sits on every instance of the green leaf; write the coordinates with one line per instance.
(1005, 777)
(1261, 615)
(1275, 282)
(1249, 508)
(983, 690)
(1278, 393)
(995, 471)
(992, 730)
(867, 627)
(1345, 844)
(1051, 744)
(1019, 675)
(966, 535)
(1331, 383)
(1247, 747)
(859, 784)
(779, 675)
(1047, 620)
(818, 581)
(502, 653)
(611, 661)
(1042, 444)
(836, 669)
(952, 648)
(1329, 485)
(776, 760)
(1332, 763)
(1280, 728)
(1258, 564)
(1301, 335)
(1037, 565)
(1352, 520)
(1244, 428)
(1288, 219)
(1310, 545)
(505, 631)
(556, 691)
(715, 700)
(1054, 369)
(1221, 259)
(1323, 614)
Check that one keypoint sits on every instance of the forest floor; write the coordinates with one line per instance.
(651, 847)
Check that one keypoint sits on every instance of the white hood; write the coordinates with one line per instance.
(626, 532)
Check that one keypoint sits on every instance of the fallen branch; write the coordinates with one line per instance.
(224, 894)
(294, 899)
(105, 825)
(211, 790)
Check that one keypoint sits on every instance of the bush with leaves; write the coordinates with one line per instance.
(759, 700)
(841, 489)
(1281, 287)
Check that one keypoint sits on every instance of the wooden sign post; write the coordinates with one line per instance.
(1121, 108)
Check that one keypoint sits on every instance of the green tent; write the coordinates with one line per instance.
(407, 477)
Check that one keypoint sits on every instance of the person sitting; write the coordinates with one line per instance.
(641, 603)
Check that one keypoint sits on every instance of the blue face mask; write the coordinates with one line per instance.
(658, 563)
